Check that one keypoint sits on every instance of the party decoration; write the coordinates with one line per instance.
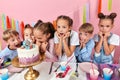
(0, 45)
(88, 12)
(84, 14)
(22, 27)
(13, 24)
(99, 6)
(3, 22)
(54, 24)
(109, 5)
(17, 26)
(8, 22)
(33, 24)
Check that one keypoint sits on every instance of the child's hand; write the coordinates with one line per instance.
(1, 60)
(44, 46)
(66, 35)
(38, 43)
(107, 35)
(100, 34)
(57, 34)
(83, 43)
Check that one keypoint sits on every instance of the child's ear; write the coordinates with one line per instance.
(90, 35)
(112, 25)
(48, 35)
(70, 28)
(7, 43)
(98, 24)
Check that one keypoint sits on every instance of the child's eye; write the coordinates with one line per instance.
(26, 35)
(107, 26)
(80, 33)
(58, 26)
(101, 26)
(13, 39)
(64, 26)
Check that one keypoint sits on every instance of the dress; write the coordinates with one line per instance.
(50, 53)
(74, 40)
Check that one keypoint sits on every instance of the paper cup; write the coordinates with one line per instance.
(94, 74)
(63, 67)
(4, 74)
(107, 73)
(119, 71)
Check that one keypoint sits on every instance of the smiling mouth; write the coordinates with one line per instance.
(61, 33)
(18, 45)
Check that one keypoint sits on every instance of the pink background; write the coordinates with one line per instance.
(30, 11)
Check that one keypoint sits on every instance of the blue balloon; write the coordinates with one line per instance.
(17, 26)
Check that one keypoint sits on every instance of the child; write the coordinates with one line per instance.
(44, 33)
(105, 40)
(28, 33)
(84, 50)
(65, 39)
(28, 36)
(11, 37)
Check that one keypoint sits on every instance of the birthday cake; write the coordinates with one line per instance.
(28, 54)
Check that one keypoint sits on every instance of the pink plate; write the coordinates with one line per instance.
(13, 69)
(86, 66)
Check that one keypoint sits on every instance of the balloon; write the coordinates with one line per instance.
(99, 6)
(33, 24)
(54, 24)
(4, 22)
(109, 5)
(84, 14)
(0, 45)
(22, 27)
(8, 22)
(13, 24)
(17, 26)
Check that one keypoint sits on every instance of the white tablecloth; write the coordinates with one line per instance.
(43, 69)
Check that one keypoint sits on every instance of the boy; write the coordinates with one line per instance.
(84, 50)
(11, 37)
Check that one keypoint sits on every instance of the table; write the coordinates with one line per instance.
(43, 69)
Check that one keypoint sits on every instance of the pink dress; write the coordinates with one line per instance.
(50, 53)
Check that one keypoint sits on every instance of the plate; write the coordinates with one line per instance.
(13, 69)
(86, 66)
(5, 64)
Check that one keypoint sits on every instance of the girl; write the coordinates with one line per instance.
(28, 33)
(105, 40)
(44, 33)
(65, 39)
(28, 37)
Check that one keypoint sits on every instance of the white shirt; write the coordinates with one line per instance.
(74, 40)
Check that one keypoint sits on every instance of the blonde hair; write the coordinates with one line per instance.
(7, 34)
(87, 27)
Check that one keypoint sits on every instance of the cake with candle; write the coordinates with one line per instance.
(28, 53)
